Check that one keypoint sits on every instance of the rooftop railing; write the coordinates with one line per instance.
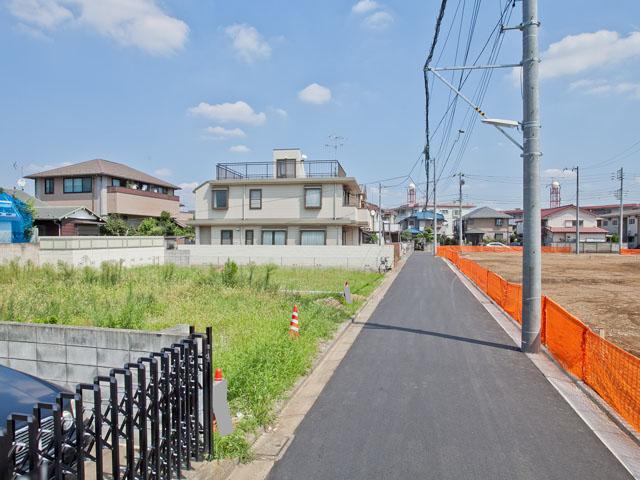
(265, 170)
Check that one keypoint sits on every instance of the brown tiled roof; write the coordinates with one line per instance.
(103, 167)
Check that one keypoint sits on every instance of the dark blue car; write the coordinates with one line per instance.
(19, 393)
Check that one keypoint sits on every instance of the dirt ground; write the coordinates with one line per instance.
(601, 290)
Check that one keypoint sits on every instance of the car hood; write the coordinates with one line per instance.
(19, 392)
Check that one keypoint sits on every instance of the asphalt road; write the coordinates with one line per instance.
(433, 388)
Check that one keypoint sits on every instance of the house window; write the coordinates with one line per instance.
(573, 223)
(632, 221)
(444, 212)
(77, 185)
(248, 237)
(286, 168)
(499, 236)
(605, 222)
(313, 237)
(274, 237)
(220, 198)
(226, 237)
(255, 199)
(498, 222)
(345, 197)
(312, 197)
(116, 182)
(48, 186)
(614, 221)
(456, 213)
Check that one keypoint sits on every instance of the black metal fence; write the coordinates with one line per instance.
(146, 421)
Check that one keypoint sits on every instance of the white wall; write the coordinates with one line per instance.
(355, 257)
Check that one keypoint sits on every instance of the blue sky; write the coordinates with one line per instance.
(171, 87)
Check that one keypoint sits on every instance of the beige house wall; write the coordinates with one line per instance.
(488, 226)
(104, 203)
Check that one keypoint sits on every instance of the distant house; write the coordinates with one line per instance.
(485, 224)
(559, 226)
(288, 200)
(56, 221)
(106, 188)
(608, 217)
(420, 221)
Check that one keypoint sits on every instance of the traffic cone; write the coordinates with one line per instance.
(217, 378)
(294, 329)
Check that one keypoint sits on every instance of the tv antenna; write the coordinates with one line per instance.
(335, 142)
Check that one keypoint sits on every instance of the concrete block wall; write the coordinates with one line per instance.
(364, 257)
(67, 355)
(20, 252)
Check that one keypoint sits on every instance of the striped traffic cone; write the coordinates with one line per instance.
(294, 328)
(217, 378)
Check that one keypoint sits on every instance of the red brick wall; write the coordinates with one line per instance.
(68, 228)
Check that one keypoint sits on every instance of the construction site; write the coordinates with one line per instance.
(600, 290)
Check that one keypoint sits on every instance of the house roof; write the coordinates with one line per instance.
(425, 215)
(60, 213)
(611, 205)
(103, 167)
(573, 229)
(44, 211)
(486, 212)
(549, 212)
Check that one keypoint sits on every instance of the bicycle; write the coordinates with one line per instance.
(384, 265)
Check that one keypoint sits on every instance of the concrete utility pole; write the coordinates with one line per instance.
(577, 170)
(380, 239)
(460, 229)
(435, 219)
(532, 258)
(621, 178)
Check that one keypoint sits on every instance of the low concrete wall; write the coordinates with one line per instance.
(356, 257)
(68, 355)
(19, 252)
(87, 251)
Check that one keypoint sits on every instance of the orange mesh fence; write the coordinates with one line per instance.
(565, 337)
(615, 375)
(611, 371)
(626, 251)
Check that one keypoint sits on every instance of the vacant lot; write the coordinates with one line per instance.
(249, 309)
(601, 290)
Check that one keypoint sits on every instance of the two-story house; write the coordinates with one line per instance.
(559, 226)
(608, 217)
(106, 188)
(287, 201)
(485, 224)
(420, 221)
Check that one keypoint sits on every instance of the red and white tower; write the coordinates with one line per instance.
(554, 194)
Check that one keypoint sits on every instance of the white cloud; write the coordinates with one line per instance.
(578, 53)
(281, 112)
(605, 87)
(32, 32)
(43, 13)
(220, 133)
(239, 149)
(35, 167)
(558, 173)
(139, 23)
(378, 21)
(248, 43)
(315, 93)
(238, 112)
(364, 6)
(163, 172)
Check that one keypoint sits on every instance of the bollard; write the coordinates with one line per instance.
(221, 412)
(347, 293)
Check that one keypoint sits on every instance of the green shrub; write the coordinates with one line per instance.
(230, 273)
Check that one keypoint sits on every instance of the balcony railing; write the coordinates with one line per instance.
(264, 170)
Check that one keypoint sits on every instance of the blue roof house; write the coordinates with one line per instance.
(419, 221)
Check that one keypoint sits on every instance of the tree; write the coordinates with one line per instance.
(150, 227)
(115, 225)
(427, 235)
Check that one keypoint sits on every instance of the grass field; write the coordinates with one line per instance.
(601, 290)
(249, 310)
